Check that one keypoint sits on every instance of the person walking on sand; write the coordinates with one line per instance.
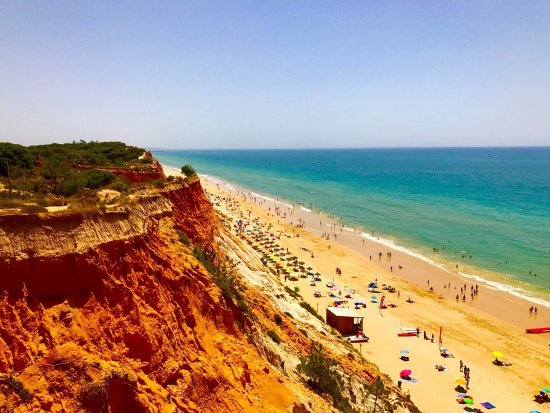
(461, 365)
(457, 298)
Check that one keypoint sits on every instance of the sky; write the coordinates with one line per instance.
(276, 74)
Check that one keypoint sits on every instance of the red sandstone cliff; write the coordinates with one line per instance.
(111, 312)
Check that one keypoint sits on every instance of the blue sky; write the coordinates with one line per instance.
(276, 74)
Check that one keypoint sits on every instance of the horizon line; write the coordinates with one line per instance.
(350, 148)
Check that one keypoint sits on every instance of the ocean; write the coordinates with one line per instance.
(490, 204)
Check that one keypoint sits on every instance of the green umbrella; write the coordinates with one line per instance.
(467, 400)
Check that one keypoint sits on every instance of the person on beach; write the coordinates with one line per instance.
(461, 365)
(457, 298)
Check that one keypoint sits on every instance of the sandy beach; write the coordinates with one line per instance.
(491, 320)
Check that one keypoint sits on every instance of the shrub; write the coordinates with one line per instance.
(183, 238)
(311, 310)
(119, 186)
(273, 335)
(291, 292)
(17, 386)
(33, 209)
(188, 170)
(94, 395)
(319, 371)
(86, 179)
(13, 155)
(224, 277)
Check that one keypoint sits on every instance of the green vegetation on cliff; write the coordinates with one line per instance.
(34, 177)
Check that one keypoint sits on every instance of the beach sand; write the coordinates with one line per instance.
(494, 320)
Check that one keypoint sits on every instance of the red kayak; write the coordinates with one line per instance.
(538, 330)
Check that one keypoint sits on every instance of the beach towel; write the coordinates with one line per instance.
(488, 405)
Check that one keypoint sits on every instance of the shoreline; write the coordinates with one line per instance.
(470, 334)
(501, 290)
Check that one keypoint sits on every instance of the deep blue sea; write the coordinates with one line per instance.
(493, 203)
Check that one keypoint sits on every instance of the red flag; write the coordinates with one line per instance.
(440, 336)
(382, 302)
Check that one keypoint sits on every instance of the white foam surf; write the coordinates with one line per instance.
(515, 291)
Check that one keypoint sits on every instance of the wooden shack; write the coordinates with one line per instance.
(344, 320)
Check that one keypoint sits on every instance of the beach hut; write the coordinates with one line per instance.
(344, 320)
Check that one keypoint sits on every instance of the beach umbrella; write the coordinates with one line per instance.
(534, 411)
(545, 390)
(467, 400)
(373, 297)
(460, 380)
(405, 373)
(404, 351)
(443, 350)
(372, 284)
(497, 354)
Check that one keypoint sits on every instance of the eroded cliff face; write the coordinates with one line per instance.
(112, 312)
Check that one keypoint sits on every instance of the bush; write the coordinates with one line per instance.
(183, 238)
(33, 209)
(13, 155)
(273, 335)
(17, 386)
(224, 277)
(119, 186)
(291, 292)
(94, 395)
(188, 170)
(86, 179)
(311, 310)
(319, 371)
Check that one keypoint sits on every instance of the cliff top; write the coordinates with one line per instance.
(79, 175)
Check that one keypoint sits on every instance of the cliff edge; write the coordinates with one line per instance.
(123, 311)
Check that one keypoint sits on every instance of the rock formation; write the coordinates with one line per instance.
(112, 311)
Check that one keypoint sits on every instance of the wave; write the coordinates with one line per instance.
(495, 285)
(515, 291)
(390, 244)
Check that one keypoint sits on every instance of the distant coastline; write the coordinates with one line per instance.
(470, 271)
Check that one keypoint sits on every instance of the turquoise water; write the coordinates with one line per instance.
(493, 203)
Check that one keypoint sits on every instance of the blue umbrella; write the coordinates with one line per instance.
(404, 351)
(373, 285)
(373, 297)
